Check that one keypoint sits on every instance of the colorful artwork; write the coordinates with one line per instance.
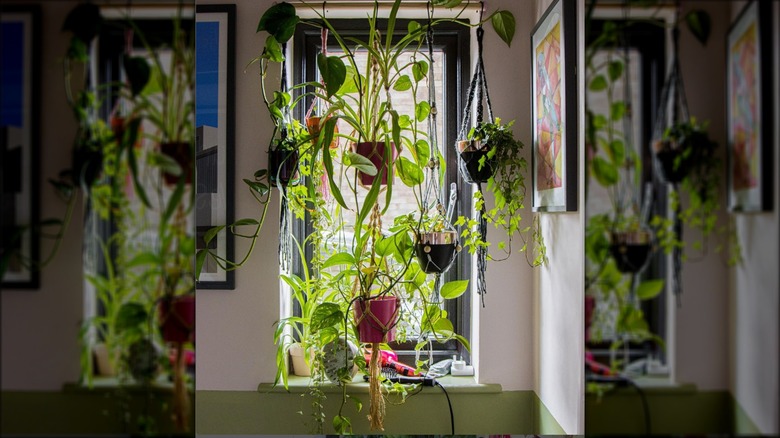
(745, 110)
(549, 165)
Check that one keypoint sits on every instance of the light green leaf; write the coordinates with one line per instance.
(410, 173)
(649, 289)
(618, 110)
(342, 258)
(361, 163)
(273, 50)
(326, 315)
(615, 70)
(598, 83)
(403, 83)
(422, 110)
(606, 174)
(454, 289)
(419, 70)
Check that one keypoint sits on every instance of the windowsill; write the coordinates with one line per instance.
(110, 384)
(664, 384)
(453, 384)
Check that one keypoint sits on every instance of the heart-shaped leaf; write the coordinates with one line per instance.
(504, 25)
(333, 72)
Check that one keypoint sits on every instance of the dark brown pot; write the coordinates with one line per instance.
(182, 153)
(376, 153)
(283, 167)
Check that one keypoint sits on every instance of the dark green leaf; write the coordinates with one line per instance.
(84, 21)
(422, 152)
(212, 233)
(454, 289)
(245, 221)
(130, 315)
(137, 71)
(699, 24)
(200, 258)
(616, 152)
(259, 187)
(606, 174)
(598, 83)
(361, 163)
(615, 70)
(618, 110)
(174, 201)
(504, 25)
(280, 21)
(333, 72)
(326, 315)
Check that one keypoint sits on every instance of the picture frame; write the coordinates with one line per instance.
(215, 143)
(749, 109)
(20, 74)
(554, 109)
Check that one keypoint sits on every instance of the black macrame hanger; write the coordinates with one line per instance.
(673, 100)
(478, 87)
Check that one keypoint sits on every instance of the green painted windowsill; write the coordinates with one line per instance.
(453, 384)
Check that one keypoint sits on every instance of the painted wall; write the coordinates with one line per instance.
(560, 287)
(755, 290)
(40, 328)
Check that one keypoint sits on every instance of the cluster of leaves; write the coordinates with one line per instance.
(508, 188)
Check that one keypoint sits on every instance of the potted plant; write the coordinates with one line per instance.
(683, 147)
(630, 245)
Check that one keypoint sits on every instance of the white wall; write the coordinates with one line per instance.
(755, 291)
(698, 352)
(40, 328)
(560, 293)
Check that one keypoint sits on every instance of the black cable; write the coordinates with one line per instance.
(622, 381)
(452, 417)
(645, 406)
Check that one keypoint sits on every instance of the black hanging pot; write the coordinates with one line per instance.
(181, 152)
(436, 250)
(471, 153)
(631, 249)
(283, 167)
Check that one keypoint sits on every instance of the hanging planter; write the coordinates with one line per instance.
(682, 148)
(314, 126)
(283, 167)
(436, 250)
(376, 152)
(376, 318)
(631, 249)
(177, 318)
(181, 152)
(474, 163)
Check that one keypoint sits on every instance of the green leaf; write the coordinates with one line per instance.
(616, 152)
(137, 71)
(259, 187)
(245, 221)
(326, 315)
(84, 21)
(419, 70)
(342, 425)
(504, 25)
(350, 82)
(174, 201)
(422, 152)
(357, 402)
(699, 24)
(618, 110)
(598, 83)
(273, 50)
(130, 315)
(599, 121)
(410, 173)
(333, 72)
(454, 289)
(342, 258)
(361, 163)
(606, 174)
(649, 289)
(403, 83)
(422, 110)
(144, 258)
(327, 161)
(412, 27)
(280, 21)
(200, 258)
(615, 70)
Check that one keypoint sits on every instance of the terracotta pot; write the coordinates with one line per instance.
(436, 251)
(283, 167)
(631, 250)
(313, 125)
(182, 154)
(376, 153)
(470, 154)
(376, 318)
(177, 318)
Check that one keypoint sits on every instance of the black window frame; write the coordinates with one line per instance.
(455, 40)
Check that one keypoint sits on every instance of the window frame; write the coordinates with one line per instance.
(455, 40)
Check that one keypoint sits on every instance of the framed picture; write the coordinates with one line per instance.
(749, 103)
(554, 100)
(19, 145)
(214, 122)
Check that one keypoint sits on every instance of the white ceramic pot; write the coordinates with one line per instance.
(300, 367)
(103, 359)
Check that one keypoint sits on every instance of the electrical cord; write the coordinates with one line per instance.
(449, 404)
(623, 381)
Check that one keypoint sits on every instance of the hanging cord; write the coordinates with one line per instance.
(285, 243)
(324, 51)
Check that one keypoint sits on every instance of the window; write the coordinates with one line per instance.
(642, 52)
(451, 62)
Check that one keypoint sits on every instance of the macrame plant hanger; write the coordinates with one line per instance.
(479, 87)
(285, 238)
(432, 193)
(673, 110)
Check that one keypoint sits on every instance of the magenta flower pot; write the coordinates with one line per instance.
(177, 318)
(376, 319)
(376, 153)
